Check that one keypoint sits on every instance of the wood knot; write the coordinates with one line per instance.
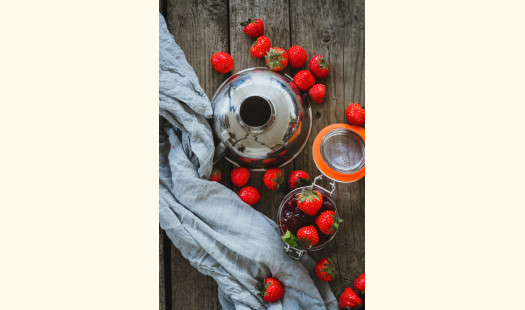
(318, 115)
(327, 36)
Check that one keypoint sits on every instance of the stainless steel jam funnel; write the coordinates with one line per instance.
(261, 119)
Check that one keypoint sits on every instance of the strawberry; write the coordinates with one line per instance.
(349, 299)
(317, 93)
(215, 175)
(355, 114)
(309, 201)
(272, 290)
(304, 79)
(222, 62)
(297, 56)
(260, 47)
(276, 58)
(249, 195)
(298, 178)
(307, 236)
(327, 222)
(254, 27)
(359, 284)
(319, 66)
(325, 270)
(273, 178)
(240, 176)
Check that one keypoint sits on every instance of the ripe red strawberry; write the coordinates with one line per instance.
(276, 58)
(349, 299)
(298, 178)
(327, 222)
(222, 62)
(319, 66)
(273, 178)
(215, 175)
(359, 284)
(308, 236)
(325, 270)
(309, 201)
(297, 56)
(304, 79)
(249, 195)
(240, 176)
(260, 47)
(272, 290)
(254, 27)
(355, 114)
(317, 93)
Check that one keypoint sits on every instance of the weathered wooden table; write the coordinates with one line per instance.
(334, 29)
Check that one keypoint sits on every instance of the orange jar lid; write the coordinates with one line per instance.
(339, 152)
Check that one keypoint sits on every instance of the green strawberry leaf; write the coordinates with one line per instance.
(246, 22)
(304, 242)
(303, 182)
(290, 239)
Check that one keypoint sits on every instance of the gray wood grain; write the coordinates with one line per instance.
(162, 272)
(334, 29)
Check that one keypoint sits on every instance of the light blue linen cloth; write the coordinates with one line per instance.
(219, 234)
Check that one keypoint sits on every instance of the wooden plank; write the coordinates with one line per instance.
(163, 7)
(191, 289)
(335, 29)
(275, 15)
(162, 273)
(201, 29)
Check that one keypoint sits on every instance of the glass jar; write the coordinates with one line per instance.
(339, 154)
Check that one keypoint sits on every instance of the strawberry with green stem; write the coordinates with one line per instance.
(273, 178)
(254, 27)
(359, 284)
(317, 93)
(349, 299)
(307, 236)
(298, 178)
(271, 290)
(260, 47)
(276, 59)
(325, 269)
(328, 222)
(215, 175)
(319, 66)
(309, 200)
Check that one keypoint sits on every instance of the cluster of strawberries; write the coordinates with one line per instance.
(272, 290)
(277, 59)
(309, 201)
(273, 178)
